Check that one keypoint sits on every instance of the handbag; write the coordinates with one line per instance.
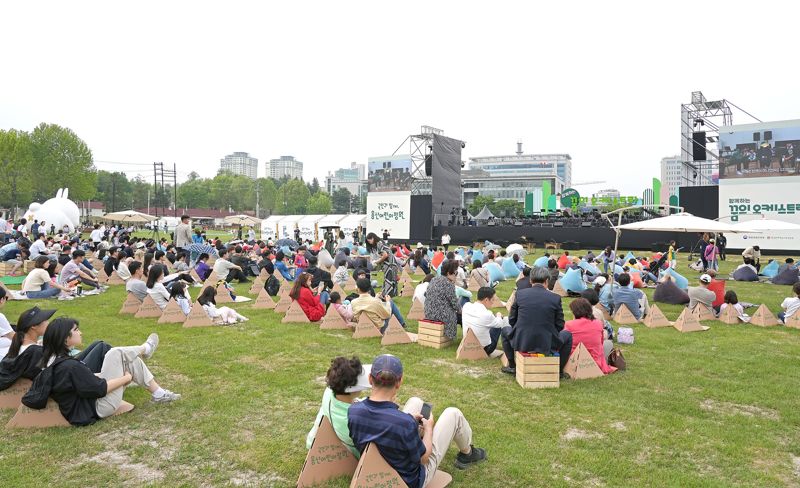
(617, 359)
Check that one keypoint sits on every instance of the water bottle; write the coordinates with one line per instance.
(80, 290)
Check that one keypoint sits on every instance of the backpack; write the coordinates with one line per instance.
(272, 285)
(37, 396)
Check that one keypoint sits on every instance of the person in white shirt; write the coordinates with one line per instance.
(251, 235)
(419, 291)
(228, 271)
(38, 247)
(135, 284)
(22, 229)
(790, 305)
(486, 326)
(96, 235)
(155, 286)
(6, 332)
(445, 241)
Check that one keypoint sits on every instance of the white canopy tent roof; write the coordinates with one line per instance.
(484, 214)
(681, 222)
(308, 226)
(286, 226)
(761, 225)
(351, 222)
(329, 220)
(269, 226)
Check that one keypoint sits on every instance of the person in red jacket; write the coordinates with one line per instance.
(588, 330)
(307, 298)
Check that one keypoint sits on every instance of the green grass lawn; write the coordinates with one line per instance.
(715, 408)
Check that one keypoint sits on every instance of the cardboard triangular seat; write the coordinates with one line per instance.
(280, 277)
(729, 316)
(223, 295)
(284, 302)
(49, 416)
(257, 286)
(417, 311)
(655, 318)
(472, 284)
(624, 316)
(148, 308)
(763, 317)
(408, 290)
(395, 334)
(470, 347)
(295, 315)
(130, 305)
(365, 328)
(496, 302)
(404, 278)
(102, 277)
(114, 279)
(703, 313)
(212, 278)
(263, 275)
(511, 300)
(418, 272)
(333, 320)
(11, 396)
(688, 323)
(374, 471)
(195, 276)
(559, 290)
(581, 365)
(793, 321)
(264, 300)
(350, 284)
(173, 314)
(197, 317)
(328, 458)
(338, 289)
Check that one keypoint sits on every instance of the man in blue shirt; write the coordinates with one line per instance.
(634, 299)
(396, 433)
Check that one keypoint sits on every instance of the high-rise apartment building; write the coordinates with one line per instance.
(284, 166)
(240, 163)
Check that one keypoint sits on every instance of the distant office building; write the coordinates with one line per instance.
(676, 173)
(353, 179)
(609, 193)
(284, 166)
(509, 177)
(240, 163)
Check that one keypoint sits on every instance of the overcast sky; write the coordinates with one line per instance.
(334, 82)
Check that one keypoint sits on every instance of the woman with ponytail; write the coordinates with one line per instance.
(25, 353)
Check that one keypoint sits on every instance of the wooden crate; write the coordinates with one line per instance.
(431, 334)
(5, 269)
(537, 372)
(28, 266)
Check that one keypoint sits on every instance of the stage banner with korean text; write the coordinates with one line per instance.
(389, 211)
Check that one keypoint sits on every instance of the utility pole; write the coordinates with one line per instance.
(258, 215)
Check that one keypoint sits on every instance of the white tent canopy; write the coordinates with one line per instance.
(680, 222)
(351, 222)
(484, 214)
(308, 226)
(329, 220)
(269, 227)
(287, 225)
(760, 225)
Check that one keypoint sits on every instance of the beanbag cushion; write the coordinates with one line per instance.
(589, 268)
(541, 261)
(438, 257)
(789, 276)
(636, 279)
(572, 281)
(618, 269)
(495, 272)
(718, 287)
(477, 255)
(629, 256)
(668, 292)
(745, 274)
(770, 270)
(510, 269)
(324, 258)
(563, 261)
(680, 281)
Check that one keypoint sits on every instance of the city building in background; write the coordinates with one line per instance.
(284, 166)
(353, 179)
(608, 193)
(676, 173)
(240, 163)
(511, 177)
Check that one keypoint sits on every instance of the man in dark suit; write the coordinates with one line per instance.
(525, 280)
(537, 323)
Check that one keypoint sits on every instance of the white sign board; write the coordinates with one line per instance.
(389, 210)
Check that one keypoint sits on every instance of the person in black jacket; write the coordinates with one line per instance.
(537, 323)
(83, 397)
(318, 275)
(112, 261)
(525, 280)
(24, 354)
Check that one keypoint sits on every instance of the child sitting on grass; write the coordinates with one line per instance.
(731, 300)
(179, 294)
(790, 305)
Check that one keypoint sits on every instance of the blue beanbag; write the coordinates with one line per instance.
(590, 268)
(618, 269)
(629, 256)
(680, 281)
(362, 250)
(541, 261)
(572, 281)
(745, 274)
(789, 276)
(461, 252)
(770, 270)
(477, 255)
(495, 273)
(510, 269)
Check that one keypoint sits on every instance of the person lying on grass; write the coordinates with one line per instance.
(83, 397)
(345, 380)
(223, 315)
(396, 433)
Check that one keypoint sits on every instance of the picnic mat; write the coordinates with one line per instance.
(12, 280)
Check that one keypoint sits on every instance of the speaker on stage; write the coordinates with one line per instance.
(699, 146)
(428, 165)
(767, 135)
(756, 136)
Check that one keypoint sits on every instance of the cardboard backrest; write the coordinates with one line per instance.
(418, 271)
(11, 396)
(373, 471)
(417, 310)
(729, 315)
(338, 289)
(496, 302)
(511, 300)
(655, 318)
(114, 279)
(395, 333)
(559, 290)
(793, 321)
(365, 328)
(197, 317)
(212, 278)
(130, 305)
(472, 284)
(407, 290)
(223, 295)
(333, 320)
(195, 276)
(623, 315)
(148, 308)
(49, 416)
(703, 313)
(350, 284)
(581, 365)
(102, 277)
(763, 317)
(687, 322)
(328, 458)
(470, 347)
(257, 286)
(295, 315)
(284, 302)
(263, 275)
(263, 300)
(173, 314)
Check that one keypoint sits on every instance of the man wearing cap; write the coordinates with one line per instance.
(701, 295)
(395, 433)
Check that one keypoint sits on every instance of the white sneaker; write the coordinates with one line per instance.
(152, 341)
(167, 397)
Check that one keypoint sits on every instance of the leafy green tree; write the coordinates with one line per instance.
(480, 202)
(507, 208)
(340, 200)
(194, 193)
(267, 196)
(114, 190)
(319, 204)
(313, 187)
(62, 160)
(16, 176)
(292, 198)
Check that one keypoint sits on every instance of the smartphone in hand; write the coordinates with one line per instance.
(426, 410)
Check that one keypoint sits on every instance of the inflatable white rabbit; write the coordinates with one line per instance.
(58, 211)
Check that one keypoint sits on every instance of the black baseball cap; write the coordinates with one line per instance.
(32, 317)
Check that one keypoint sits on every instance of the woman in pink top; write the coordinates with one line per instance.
(585, 329)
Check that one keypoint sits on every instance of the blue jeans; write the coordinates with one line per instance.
(494, 335)
(46, 292)
(396, 313)
(324, 297)
(782, 317)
